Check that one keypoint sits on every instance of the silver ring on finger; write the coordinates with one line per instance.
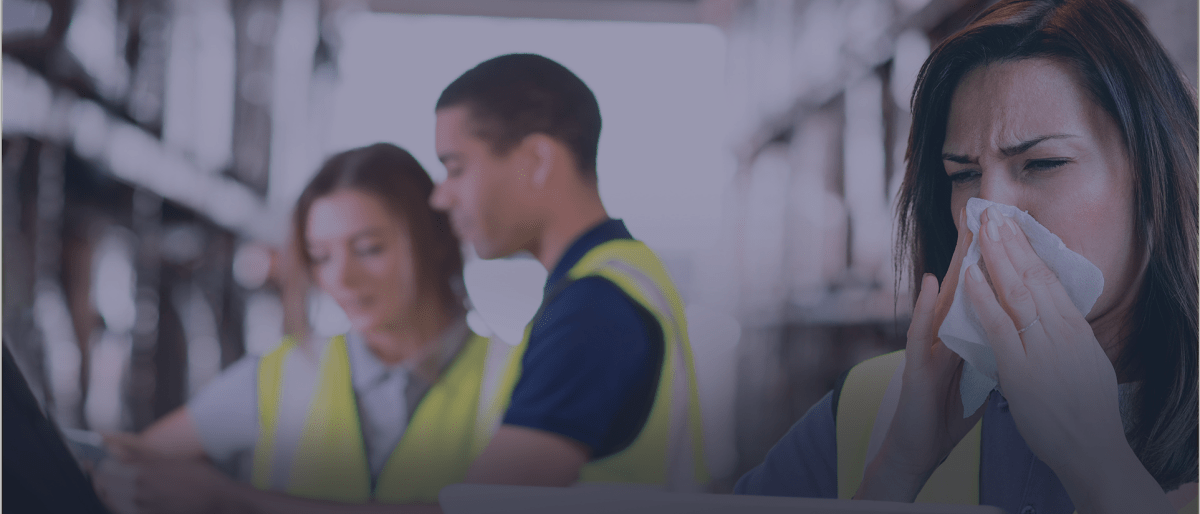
(1030, 325)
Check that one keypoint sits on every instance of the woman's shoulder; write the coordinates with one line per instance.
(867, 380)
(235, 379)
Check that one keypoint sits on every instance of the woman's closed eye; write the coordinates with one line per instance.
(367, 250)
(1036, 165)
(1031, 166)
(964, 176)
(318, 258)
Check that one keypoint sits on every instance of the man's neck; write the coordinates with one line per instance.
(570, 217)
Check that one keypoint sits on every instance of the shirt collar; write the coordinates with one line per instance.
(366, 369)
(606, 231)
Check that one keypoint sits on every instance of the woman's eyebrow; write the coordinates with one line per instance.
(368, 232)
(961, 159)
(1007, 151)
(371, 231)
(1024, 146)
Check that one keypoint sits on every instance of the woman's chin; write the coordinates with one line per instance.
(364, 323)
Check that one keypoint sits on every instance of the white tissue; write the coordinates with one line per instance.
(962, 332)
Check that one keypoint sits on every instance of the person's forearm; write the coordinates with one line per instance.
(886, 480)
(174, 436)
(243, 499)
(1112, 481)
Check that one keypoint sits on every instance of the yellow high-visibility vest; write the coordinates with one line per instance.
(955, 481)
(669, 451)
(310, 439)
(460, 413)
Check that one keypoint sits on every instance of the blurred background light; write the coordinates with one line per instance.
(92, 38)
(252, 265)
(266, 330)
(200, 328)
(912, 48)
(505, 293)
(113, 272)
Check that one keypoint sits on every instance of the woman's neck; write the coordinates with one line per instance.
(1113, 331)
(408, 336)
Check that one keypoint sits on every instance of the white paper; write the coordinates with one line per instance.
(962, 332)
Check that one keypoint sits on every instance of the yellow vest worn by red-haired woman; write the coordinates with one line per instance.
(310, 441)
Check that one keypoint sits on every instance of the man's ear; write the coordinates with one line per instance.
(544, 156)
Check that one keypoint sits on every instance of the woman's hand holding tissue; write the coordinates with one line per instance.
(929, 420)
(1060, 385)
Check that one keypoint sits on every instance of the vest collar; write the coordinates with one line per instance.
(366, 369)
(604, 232)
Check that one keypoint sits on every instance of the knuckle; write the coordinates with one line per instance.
(1017, 294)
(1040, 274)
(993, 325)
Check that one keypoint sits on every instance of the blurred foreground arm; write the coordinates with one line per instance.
(173, 436)
(526, 456)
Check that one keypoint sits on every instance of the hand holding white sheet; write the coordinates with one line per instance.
(962, 332)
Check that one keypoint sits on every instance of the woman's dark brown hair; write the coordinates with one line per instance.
(393, 176)
(1127, 73)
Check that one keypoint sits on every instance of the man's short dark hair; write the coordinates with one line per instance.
(512, 96)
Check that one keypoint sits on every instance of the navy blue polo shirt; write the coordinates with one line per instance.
(591, 368)
(804, 463)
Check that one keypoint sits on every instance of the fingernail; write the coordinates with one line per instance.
(993, 223)
(974, 271)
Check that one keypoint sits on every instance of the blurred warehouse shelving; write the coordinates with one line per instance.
(130, 197)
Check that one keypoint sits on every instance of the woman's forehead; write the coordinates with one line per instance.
(1006, 104)
(347, 212)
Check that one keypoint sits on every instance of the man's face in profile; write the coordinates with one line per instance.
(479, 192)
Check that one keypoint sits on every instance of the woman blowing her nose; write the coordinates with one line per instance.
(1071, 111)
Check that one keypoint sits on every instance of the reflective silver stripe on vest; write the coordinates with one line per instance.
(495, 366)
(301, 370)
(680, 464)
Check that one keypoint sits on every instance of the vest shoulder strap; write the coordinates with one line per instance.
(296, 452)
(629, 254)
(270, 384)
(501, 368)
(330, 460)
(861, 396)
(637, 271)
(955, 481)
